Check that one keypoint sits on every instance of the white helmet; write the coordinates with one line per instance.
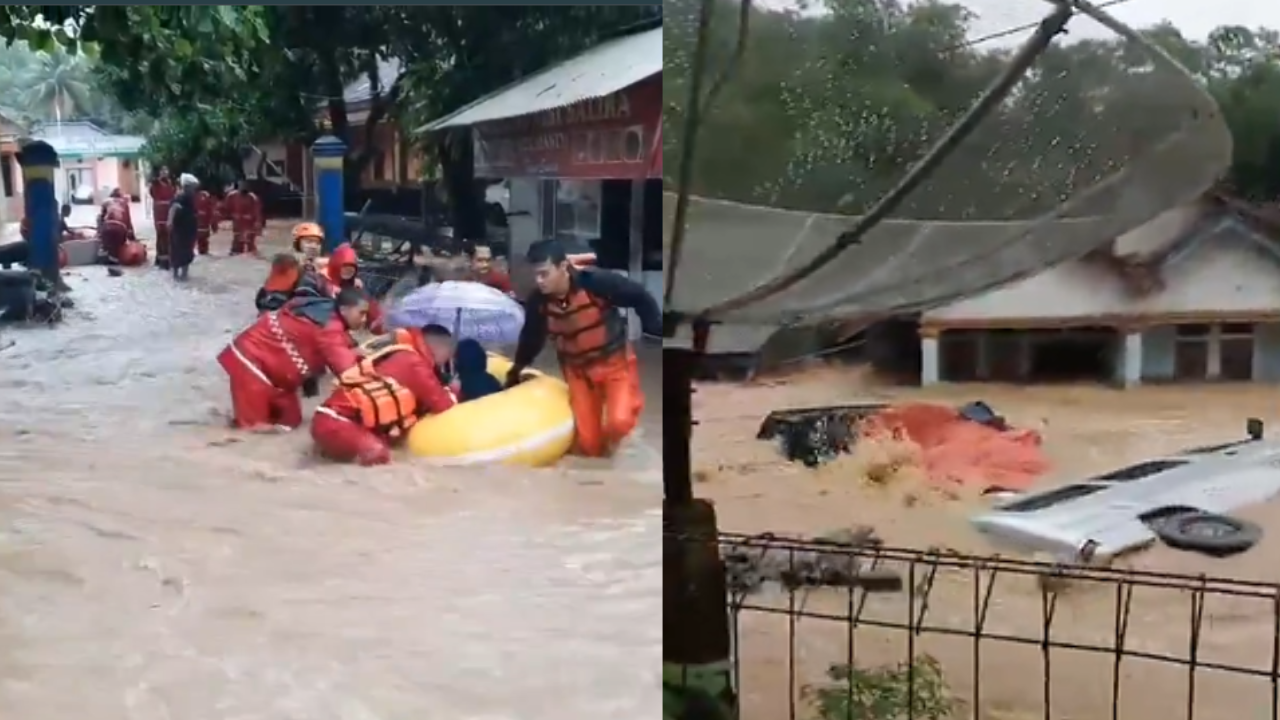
(188, 180)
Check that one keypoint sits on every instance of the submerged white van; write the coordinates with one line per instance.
(1119, 510)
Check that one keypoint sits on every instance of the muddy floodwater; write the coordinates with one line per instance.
(1087, 429)
(155, 565)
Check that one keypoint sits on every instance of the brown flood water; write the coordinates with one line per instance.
(154, 565)
(1086, 429)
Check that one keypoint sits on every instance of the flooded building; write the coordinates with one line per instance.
(579, 146)
(1193, 295)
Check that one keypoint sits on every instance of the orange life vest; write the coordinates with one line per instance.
(385, 406)
(584, 328)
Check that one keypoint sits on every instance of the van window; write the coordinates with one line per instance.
(1139, 471)
(1053, 497)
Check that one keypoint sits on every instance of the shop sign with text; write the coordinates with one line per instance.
(615, 136)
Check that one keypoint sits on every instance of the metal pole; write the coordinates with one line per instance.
(697, 656)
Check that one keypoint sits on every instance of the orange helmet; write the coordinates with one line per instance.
(306, 230)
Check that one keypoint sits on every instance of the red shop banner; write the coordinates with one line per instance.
(615, 137)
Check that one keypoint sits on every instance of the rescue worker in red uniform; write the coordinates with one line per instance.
(269, 362)
(163, 191)
(341, 270)
(207, 219)
(582, 312)
(244, 210)
(483, 271)
(115, 227)
(289, 279)
(364, 417)
(308, 243)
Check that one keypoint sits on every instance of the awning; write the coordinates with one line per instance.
(596, 73)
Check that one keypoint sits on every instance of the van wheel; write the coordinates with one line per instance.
(1208, 533)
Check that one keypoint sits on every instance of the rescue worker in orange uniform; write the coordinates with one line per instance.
(269, 362)
(115, 226)
(364, 417)
(244, 210)
(163, 191)
(206, 219)
(582, 311)
(341, 270)
(289, 279)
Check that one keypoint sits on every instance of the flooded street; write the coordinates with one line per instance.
(155, 565)
(1087, 429)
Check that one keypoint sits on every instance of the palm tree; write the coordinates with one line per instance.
(56, 85)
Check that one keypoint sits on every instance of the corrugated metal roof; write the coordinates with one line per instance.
(82, 139)
(601, 71)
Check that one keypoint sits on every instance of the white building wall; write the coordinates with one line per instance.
(1236, 276)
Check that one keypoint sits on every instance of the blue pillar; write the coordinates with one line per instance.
(39, 161)
(327, 156)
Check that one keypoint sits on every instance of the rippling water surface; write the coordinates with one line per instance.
(155, 565)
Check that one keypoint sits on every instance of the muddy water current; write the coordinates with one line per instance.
(1087, 429)
(155, 565)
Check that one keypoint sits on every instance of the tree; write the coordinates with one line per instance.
(836, 106)
(58, 84)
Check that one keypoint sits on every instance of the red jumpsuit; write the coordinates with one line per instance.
(268, 362)
(345, 256)
(244, 210)
(206, 220)
(497, 280)
(162, 194)
(336, 427)
(115, 227)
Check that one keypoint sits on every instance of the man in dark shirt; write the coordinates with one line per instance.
(583, 312)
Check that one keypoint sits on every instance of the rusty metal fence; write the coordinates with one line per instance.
(846, 629)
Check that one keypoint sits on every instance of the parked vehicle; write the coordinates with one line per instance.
(1126, 508)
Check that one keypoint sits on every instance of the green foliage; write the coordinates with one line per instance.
(834, 106)
(917, 690)
(218, 78)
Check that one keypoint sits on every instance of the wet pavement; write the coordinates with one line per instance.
(155, 565)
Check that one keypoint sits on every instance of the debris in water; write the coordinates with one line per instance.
(828, 561)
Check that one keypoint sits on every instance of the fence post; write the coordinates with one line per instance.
(328, 154)
(39, 161)
(697, 657)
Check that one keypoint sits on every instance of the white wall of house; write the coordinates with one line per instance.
(1231, 275)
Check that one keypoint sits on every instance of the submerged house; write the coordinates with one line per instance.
(1192, 295)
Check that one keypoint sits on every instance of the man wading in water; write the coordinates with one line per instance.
(184, 227)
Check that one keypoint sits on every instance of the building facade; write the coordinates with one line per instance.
(93, 162)
(1193, 295)
(579, 146)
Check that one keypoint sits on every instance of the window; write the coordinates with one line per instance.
(1052, 497)
(958, 356)
(1191, 352)
(1191, 360)
(651, 233)
(6, 172)
(1236, 357)
(1141, 470)
(1237, 330)
(577, 210)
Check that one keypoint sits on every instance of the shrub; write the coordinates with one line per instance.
(883, 693)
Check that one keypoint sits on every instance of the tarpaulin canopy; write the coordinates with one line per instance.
(1175, 146)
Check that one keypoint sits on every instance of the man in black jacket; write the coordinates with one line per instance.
(184, 227)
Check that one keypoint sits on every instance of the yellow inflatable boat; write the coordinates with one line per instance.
(529, 424)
